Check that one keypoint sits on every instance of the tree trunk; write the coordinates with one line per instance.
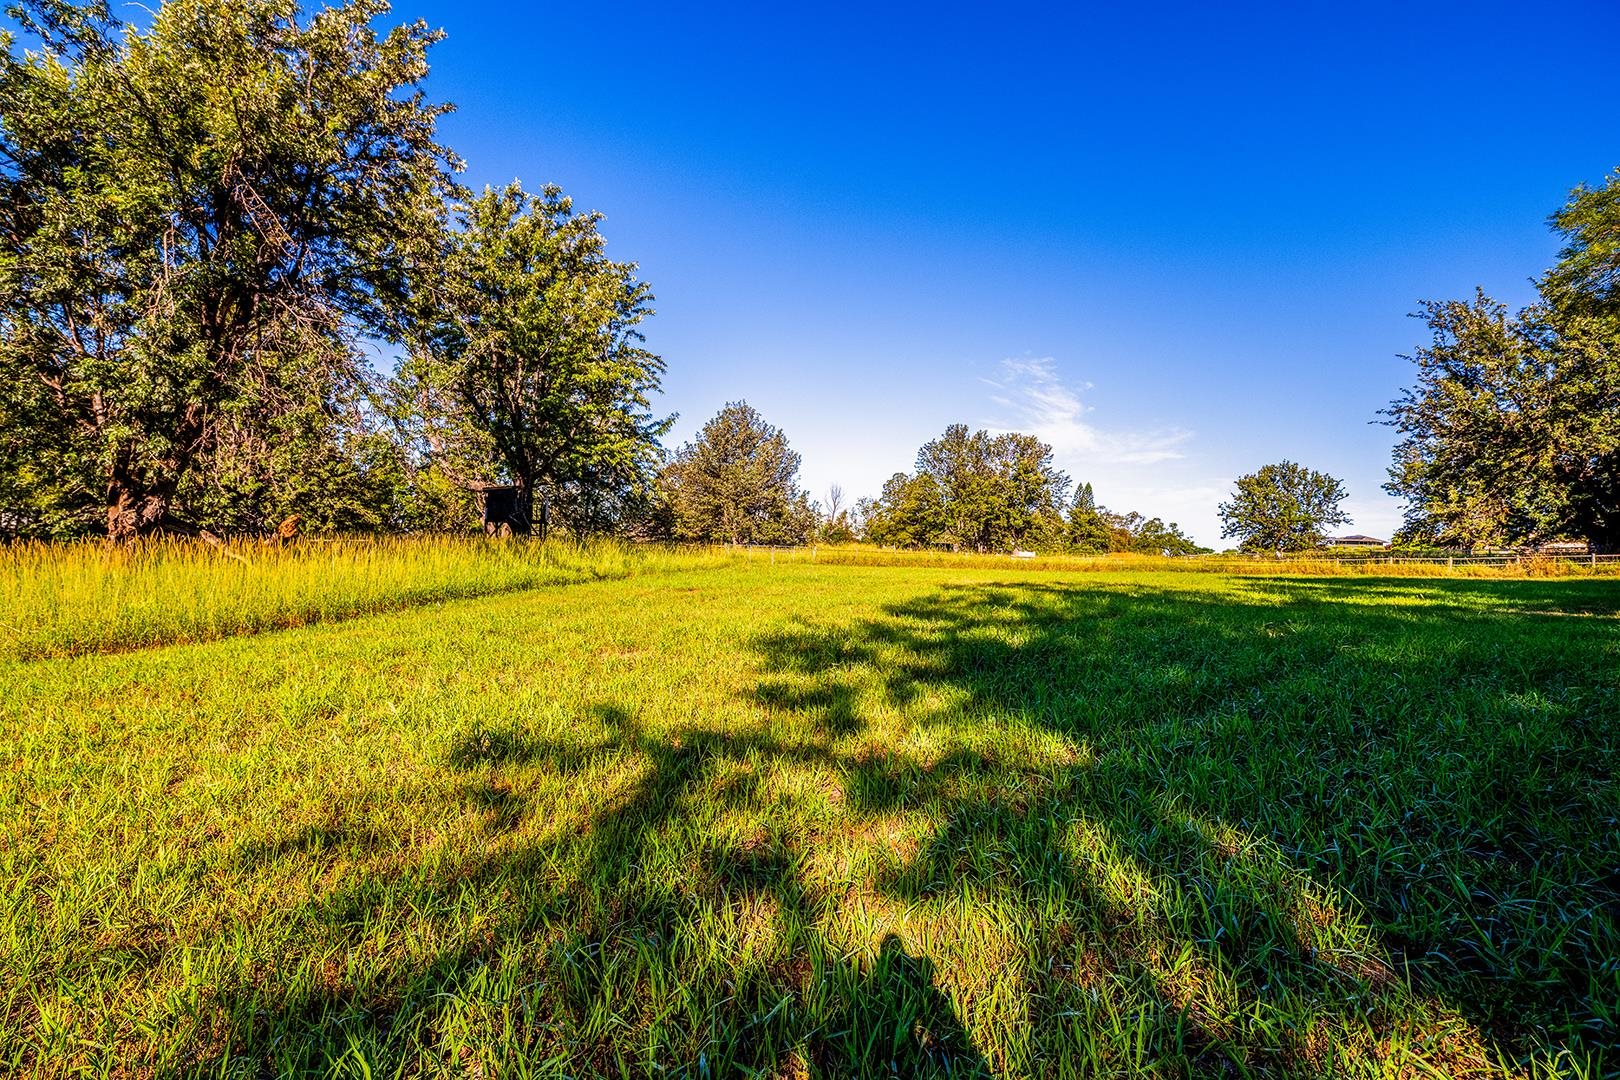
(133, 509)
(139, 497)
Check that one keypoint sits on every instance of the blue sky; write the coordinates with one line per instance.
(1179, 242)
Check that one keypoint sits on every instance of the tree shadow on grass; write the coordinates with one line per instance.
(604, 952)
(1272, 831)
(1304, 833)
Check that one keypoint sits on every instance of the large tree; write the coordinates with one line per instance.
(1587, 275)
(977, 491)
(738, 483)
(529, 368)
(1282, 507)
(198, 221)
(1511, 431)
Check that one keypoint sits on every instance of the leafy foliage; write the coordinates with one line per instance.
(985, 493)
(1149, 536)
(738, 483)
(530, 369)
(1087, 529)
(1091, 529)
(1511, 432)
(909, 513)
(974, 491)
(1282, 507)
(198, 222)
(1588, 272)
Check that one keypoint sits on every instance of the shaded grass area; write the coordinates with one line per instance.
(795, 820)
(71, 599)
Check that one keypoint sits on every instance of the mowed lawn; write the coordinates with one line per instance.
(801, 820)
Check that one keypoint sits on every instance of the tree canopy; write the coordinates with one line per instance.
(199, 221)
(1282, 507)
(1086, 528)
(1511, 431)
(983, 492)
(1091, 529)
(974, 491)
(737, 483)
(528, 366)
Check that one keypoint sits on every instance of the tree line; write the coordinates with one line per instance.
(218, 228)
(737, 482)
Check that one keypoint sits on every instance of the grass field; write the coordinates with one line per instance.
(69, 599)
(729, 818)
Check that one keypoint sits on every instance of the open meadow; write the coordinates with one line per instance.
(680, 815)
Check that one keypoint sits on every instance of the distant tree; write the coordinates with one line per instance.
(199, 219)
(910, 513)
(1087, 531)
(860, 517)
(978, 491)
(835, 525)
(1282, 507)
(1091, 529)
(839, 529)
(957, 467)
(1154, 537)
(738, 483)
(1511, 432)
(529, 369)
(1027, 509)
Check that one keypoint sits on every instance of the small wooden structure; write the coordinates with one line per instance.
(499, 504)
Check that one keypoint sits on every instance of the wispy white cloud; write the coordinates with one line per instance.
(1035, 399)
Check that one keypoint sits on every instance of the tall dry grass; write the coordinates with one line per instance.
(68, 599)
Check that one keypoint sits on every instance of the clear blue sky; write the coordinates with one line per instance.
(1179, 241)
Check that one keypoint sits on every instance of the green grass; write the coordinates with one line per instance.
(797, 819)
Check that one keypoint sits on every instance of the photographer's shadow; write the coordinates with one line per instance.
(897, 1022)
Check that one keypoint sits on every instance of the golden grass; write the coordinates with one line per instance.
(69, 599)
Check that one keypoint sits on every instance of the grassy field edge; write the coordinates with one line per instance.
(73, 600)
